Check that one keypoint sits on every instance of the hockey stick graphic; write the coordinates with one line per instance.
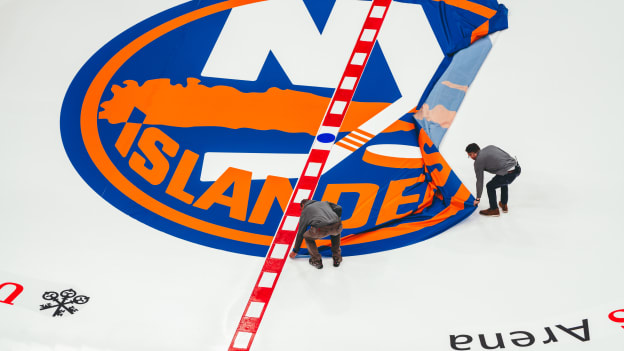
(306, 185)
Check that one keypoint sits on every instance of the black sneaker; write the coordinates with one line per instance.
(337, 261)
(318, 264)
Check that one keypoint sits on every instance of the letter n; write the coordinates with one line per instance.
(499, 342)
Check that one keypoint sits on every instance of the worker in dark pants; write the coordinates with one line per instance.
(318, 220)
(493, 160)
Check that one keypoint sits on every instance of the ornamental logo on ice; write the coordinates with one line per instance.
(198, 121)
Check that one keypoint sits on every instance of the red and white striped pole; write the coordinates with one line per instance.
(308, 181)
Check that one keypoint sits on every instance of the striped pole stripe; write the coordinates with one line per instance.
(355, 140)
(308, 181)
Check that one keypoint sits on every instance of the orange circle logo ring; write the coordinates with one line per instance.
(93, 144)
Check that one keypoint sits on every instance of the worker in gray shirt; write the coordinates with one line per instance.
(318, 220)
(496, 161)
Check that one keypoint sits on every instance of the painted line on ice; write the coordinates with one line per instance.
(308, 181)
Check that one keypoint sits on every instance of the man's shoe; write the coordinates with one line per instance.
(492, 212)
(317, 264)
(503, 207)
(337, 261)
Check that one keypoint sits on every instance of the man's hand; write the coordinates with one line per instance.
(293, 254)
(476, 202)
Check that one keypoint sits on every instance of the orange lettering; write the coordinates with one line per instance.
(394, 198)
(366, 198)
(432, 159)
(160, 165)
(127, 137)
(181, 176)
(241, 182)
(274, 188)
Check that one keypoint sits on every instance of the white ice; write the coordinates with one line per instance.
(550, 93)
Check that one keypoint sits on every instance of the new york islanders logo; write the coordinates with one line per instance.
(200, 120)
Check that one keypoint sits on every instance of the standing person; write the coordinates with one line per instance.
(323, 219)
(496, 161)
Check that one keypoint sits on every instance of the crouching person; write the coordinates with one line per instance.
(319, 219)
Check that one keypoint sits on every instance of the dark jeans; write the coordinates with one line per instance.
(315, 256)
(501, 181)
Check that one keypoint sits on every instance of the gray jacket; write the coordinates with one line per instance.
(492, 160)
(317, 214)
